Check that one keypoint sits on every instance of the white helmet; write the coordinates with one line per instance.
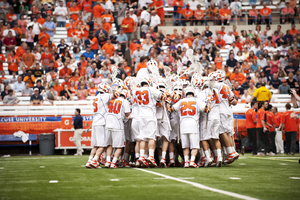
(189, 90)
(220, 77)
(103, 88)
(146, 80)
(211, 76)
(124, 93)
(161, 83)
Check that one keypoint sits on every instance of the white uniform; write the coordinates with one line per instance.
(226, 115)
(100, 111)
(162, 122)
(135, 125)
(189, 110)
(147, 98)
(174, 122)
(210, 123)
(114, 122)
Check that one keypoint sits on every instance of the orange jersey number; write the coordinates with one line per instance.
(143, 97)
(188, 108)
(114, 106)
(95, 105)
(225, 92)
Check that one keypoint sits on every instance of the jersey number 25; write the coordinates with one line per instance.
(188, 108)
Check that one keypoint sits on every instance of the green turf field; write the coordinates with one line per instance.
(259, 177)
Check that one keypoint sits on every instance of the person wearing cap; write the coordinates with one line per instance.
(266, 12)
(262, 93)
(136, 56)
(88, 54)
(224, 14)
(229, 38)
(284, 87)
(253, 15)
(61, 12)
(36, 98)
(187, 14)
(129, 26)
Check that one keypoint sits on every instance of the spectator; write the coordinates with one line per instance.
(37, 71)
(251, 89)
(274, 82)
(178, 6)
(10, 99)
(50, 25)
(289, 127)
(43, 37)
(36, 28)
(65, 70)
(27, 91)
(13, 62)
(97, 79)
(136, 56)
(82, 93)
(155, 21)
(262, 93)
(104, 72)
(28, 59)
(211, 14)
(225, 14)
(19, 85)
(236, 9)
(4, 92)
(253, 15)
(284, 87)
(198, 15)
(36, 98)
(266, 12)
(220, 42)
(109, 47)
(74, 11)
(229, 37)
(287, 13)
(65, 94)
(128, 25)
(231, 62)
(145, 16)
(9, 42)
(237, 76)
(291, 81)
(61, 12)
(290, 68)
(121, 72)
(40, 87)
(29, 79)
(51, 95)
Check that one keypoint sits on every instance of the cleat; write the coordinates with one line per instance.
(229, 159)
(214, 163)
(151, 162)
(207, 163)
(236, 155)
(94, 164)
(219, 163)
(137, 164)
(113, 166)
(171, 163)
(202, 162)
(107, 165)
(121, 163)
(260, 154)
(186, 165)
(193, 164)
(88, 164)
(126, 165)
(163, 163)
(271, 154)
(243, 150)
(143, 162)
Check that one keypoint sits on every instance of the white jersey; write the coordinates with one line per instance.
(159, 111)
(100, 109)
(147, 98)
(189, 110)
(142, 73)
(214, 103)
(225, 95)
(116, 113)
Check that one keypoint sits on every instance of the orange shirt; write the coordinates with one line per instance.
(109, 48)
(58, 88)
(70, 30)
(47, 45)
(2, 79)
(86, 31)
(220, 43)
(10, 17)
(97, 10)
(87, 5)
(1, 64)
(270, 120)
(77, 22)
(140, 66)
(128, 25)
(29, 60)
(178, 3)
(278, 119)
(187, 12)
(74, 16)
(18, 31)
(295, 31)
(106, 26)
(78, 33)
(63, 72)
(46, 58)
(108, 17)
(218, 62)
(13, 66)
(260, 116)
(189, 42)
(199, 13)
(250, 118)
(82, 71)
(224, 12)
(222, 33)
(34, 10)
(92, 90)
(238, 77)
(41, 21)
(235, 33)
(265, 11)
(20, 51)
(30, 80)
(127, 69)
(290, 124)
(95, 45)
(45, 39)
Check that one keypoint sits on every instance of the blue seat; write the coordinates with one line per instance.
(11, 138)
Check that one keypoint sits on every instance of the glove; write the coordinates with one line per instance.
(176, 98)
(168, 100)
(232, 101)
(117, 94)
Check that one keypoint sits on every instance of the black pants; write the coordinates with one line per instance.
(30, 45)
(272, 137)
(260, 144)
(252, 139)
(266, 141)
(36, 38)
(10, 72)
(290, 140)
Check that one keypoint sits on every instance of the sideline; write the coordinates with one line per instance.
(198, 185)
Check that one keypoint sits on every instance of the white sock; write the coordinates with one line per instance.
(186, 158)
(163, 154)
(126, 155)
(115, 160)
(229, 150)
(142, 152)
(215, 153)
(108, 159)
(207, 155)
(151, 152)
(201, 153)
(96, 158)
(233, 149)
(209, 151)
(224, 150)
(192, 158)
(145, 156)
(137, 155)
(90, 158)
(171, 155)
(219, 154)
(104, 155)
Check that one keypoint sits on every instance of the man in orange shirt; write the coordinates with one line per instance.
(225, 14)
(220, 42)
(21, 50)
(289, 127)
(159, 7)
(29, 79)
(109, 47)
(178, 5)
(43, 36)
(198, 16)
(128, 26)
(266, 12)
(97, 10)
(293, 30)
(187, 14)
(28, 59)
(87, 6)
(57, 86)
(109, 19)
(81, 69)
(237, 76)
(142, 64)
(261, 126)
(271, 126)
(65, 71)
(46, 58)
(218, 60)
(251, 129)
(74, 11)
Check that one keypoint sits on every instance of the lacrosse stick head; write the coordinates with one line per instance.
(189, 53)
(115, 72)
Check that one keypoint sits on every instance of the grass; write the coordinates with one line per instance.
(260, 177)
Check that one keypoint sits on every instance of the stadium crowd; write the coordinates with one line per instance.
(85, 58)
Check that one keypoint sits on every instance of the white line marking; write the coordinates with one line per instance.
(53, 181)
(234, 178)
(198, 185)
(183, 178)
(242, 163)
(82, 165)
(295, 178)
(42, 166)
(1, 167)
(283, 164)
(114, 180)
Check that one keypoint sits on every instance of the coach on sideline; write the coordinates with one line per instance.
(78, 132)
(262, 93)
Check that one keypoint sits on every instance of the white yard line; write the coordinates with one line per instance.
(198, 185)
(275, 158)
